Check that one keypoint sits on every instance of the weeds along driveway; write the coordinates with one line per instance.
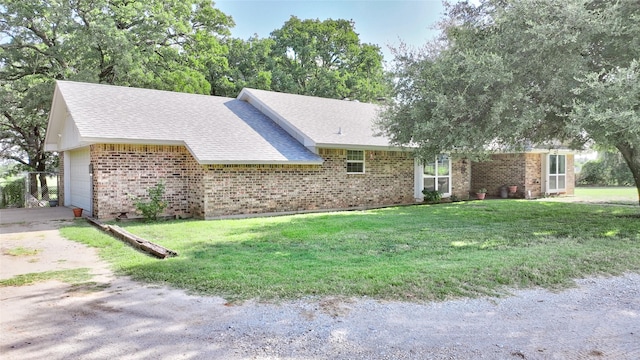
(113, 317)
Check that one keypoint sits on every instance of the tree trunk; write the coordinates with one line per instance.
(631, 156)
(44, 188)
(33, 185)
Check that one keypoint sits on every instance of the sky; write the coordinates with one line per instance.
(380, 22)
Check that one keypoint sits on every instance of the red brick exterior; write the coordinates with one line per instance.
(521, 169)
(460, 177)
(123, 173)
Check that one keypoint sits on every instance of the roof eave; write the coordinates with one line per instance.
(51, 143)
(85, 141)
(261, 162)
(362, 147)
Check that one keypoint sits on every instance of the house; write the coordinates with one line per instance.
(262, 152)
(537, 172)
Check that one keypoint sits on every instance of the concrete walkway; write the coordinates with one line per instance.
(13, 216)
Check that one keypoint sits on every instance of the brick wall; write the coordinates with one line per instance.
(571, 175)
(522, 169)
(460, 177)
(124, 173)
(500, 170)
(533, 175)
(235, 189)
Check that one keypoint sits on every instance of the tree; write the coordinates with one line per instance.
(326, 59)
(509, 73)
(161, 44)
(609, 169)
(249, 65)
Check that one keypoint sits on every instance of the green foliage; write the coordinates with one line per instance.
(415, 253)
(12, 193)
(308, 57)
(72, 276)
(21, 251)
(608, 169)
(432, 196)
(508, 74)
(155, 205)
(161, 44)
(326, 59)
(249, 65)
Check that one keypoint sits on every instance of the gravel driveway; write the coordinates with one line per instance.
(114, 317)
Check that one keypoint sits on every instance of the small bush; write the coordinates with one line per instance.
(432, 196)
(155, 205)
(12, 193)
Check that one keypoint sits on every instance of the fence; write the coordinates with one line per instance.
(34, 189)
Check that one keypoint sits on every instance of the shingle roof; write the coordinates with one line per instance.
(320, 121)
(215, 129)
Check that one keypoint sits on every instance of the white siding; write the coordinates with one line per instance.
(80, 179)
(70, 137)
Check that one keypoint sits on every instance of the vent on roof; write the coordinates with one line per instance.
(340, 131)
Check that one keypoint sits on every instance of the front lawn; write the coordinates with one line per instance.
(416, 253)
(608, 194)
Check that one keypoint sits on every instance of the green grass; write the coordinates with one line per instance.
(417, 253)
(612, 194)
(73, 276)
(21, 251)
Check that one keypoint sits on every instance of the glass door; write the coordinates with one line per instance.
(557, 173)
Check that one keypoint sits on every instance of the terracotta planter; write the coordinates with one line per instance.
(77, 212)
(513, 189)
(481, 196)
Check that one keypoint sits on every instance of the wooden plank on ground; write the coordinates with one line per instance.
(136, 241)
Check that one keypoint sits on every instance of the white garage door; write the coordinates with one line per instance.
(80, 180)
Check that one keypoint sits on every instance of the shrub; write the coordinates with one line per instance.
(609, 169)
(155, 205)
(432, 196)
(12, 193)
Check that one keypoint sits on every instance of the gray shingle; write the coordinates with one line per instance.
(336, 123)
(215, 129)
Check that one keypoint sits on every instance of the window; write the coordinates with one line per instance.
(355, 161)
(437, 175)
(557, 173)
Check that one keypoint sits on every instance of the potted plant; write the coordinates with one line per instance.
(77, 212)
(481, 193)
(513, 189)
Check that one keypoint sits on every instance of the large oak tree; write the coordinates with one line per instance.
(326, 59)
(162, 44)
(322, 58)
(508, 73)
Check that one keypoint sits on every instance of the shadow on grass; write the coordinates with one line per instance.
(419, 252)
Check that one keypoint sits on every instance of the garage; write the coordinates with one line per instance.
(79, 179)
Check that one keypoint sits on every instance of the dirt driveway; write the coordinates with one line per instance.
(115, 318)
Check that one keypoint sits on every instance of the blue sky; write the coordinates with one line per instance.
(381, 22)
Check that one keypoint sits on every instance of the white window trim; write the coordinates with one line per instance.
(364, 156)
(556, 175)
(420, 176)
